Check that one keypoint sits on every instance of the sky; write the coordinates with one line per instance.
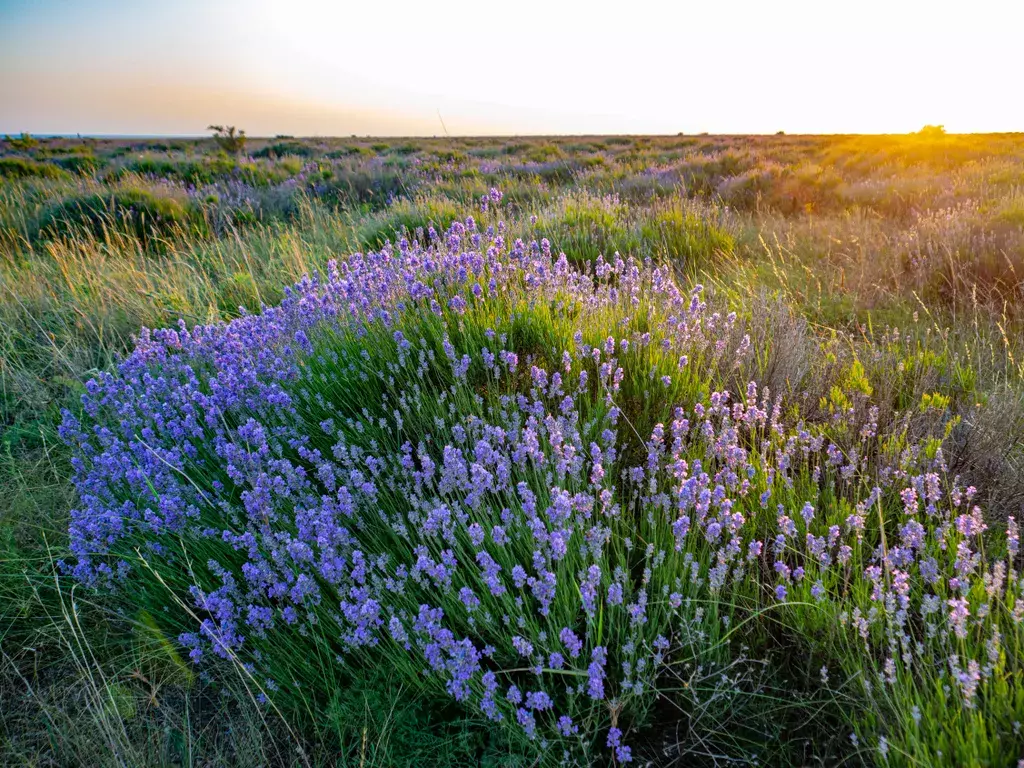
(474, 67)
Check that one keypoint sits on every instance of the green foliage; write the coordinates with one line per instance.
(373, 188)
(406, 218)
(350, 151)
(23, 143)
(82, 165)
(283, 148)
(239, 293)
(806, 237)
(25, 168)
(203, 171)
(1011, 211)
(685, 238)
(379, 720)
(544, 153)
(586, 227)
(135, 212)
(228, 138)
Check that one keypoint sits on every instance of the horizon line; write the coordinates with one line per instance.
(681, 134)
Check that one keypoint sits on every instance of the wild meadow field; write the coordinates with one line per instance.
(671, 451)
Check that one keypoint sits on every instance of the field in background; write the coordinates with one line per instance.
(892, 263)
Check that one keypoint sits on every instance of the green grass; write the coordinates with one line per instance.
(823, 245)
(140, 214)
(25, 168)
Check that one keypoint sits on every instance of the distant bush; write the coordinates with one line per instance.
(450, 155)
(365, 186)
(349, 151)
(135, 212)
(228, 139)
(560, 172)
(238, 204)
(486, 153)
(24, 168)
(282, 148)
(932, 131)
(544, 153)
(407, 218)
(1011, 211)
(684, 237)
(586, 226)
(644, 188)
(22, 143)
(83, 165)
(47, 152)
(204, 171)
(803, 188)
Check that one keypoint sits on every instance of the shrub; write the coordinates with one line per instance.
(83, 165)
(283, 148)
(685, 237)
(544, 153)
(24, 143)
(194, 172)
(516, 148)
(138, 213)
(365, 185)
(548, 496)
(1011, 211)
(350, 151)
(559, 172)
(25, 168)
(453, 156)
(748, 189)
(586, 226)
(228, 139)
(405, 218)
(486, 153)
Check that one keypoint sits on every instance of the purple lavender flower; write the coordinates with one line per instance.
(614, 594)
(523, 647)
(566, 727)
(596, 674)
(572, 644)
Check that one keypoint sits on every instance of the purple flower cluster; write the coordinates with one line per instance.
(430, 455)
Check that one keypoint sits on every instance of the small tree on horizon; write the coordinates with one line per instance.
(228, 138)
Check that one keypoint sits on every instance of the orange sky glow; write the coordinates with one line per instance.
(395, 67)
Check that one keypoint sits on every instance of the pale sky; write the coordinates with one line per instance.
(388, 67)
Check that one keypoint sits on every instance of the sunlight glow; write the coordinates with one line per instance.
(390, 67)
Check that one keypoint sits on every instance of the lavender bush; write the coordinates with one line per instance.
(551, 494)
